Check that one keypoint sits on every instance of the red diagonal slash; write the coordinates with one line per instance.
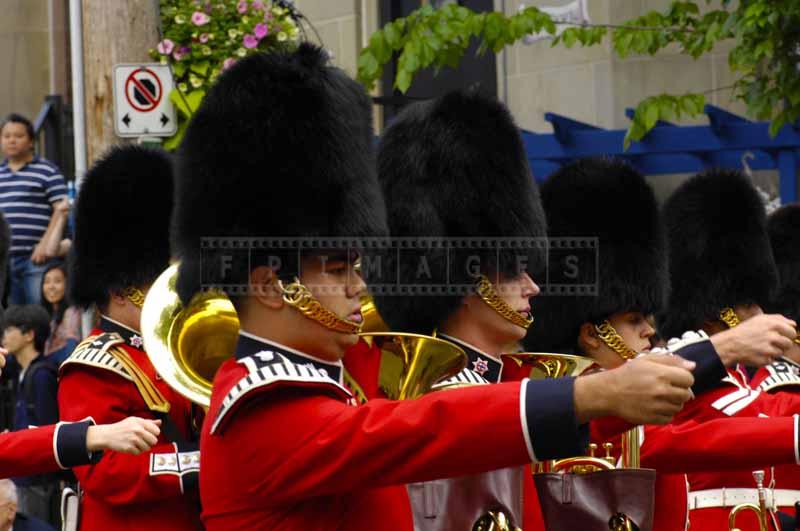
(145, 92)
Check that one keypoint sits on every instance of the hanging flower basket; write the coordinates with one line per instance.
(200, 39)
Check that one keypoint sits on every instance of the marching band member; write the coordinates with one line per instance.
(611, 201)
(121, 245)
(783, 375)
(443, 176)
(722, 273)
(282, 145)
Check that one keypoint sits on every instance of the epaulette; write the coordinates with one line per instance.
(104, 351)
(94, 351)
(267, 369)
(782, 373)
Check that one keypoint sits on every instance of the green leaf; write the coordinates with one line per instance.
(379, 47)
(650, 115)
(173, 142)
(776, 124)
(195, 98)
(392, 35)
(200, 68)
(178, 68)
(180, 102)
(368, 66)
(403, 80)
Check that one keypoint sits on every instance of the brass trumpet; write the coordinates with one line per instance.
(540, 365)
(760, 509)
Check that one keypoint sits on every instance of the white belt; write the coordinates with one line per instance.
(703, 499)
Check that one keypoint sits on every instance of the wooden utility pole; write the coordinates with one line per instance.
(114, 31)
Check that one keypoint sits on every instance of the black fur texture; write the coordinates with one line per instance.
(719, 251)
(454, 167)
(783, 227)
(609, 200)
(282, 145)
(121, 224)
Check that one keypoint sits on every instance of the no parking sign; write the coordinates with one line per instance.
(141, 100)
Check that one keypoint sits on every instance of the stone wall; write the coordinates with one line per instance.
(24, 55)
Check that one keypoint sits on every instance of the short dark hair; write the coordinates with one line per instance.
(29, 317)
(19, 119)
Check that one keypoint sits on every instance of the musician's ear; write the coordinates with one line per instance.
(265, 287)
(588, 339)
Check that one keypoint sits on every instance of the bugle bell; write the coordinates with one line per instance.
(760, 510)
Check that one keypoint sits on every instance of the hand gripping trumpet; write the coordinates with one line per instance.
(760, 509)
(607, 495)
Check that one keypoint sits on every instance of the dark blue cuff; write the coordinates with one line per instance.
(709, 370)
(549, 413)
(71, 444)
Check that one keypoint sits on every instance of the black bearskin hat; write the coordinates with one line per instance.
(282, 146)
(455, 167)
(121, 224)
(719, 251)
(609, 200)
(783, 227)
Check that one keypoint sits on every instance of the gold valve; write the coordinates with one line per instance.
(608, 457)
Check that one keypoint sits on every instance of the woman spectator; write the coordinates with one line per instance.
(65, 320)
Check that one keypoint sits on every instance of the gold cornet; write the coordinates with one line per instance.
(760, 509)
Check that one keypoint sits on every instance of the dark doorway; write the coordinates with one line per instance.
(474, 69)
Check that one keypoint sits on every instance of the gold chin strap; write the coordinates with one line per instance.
(134, 295)
(609, 335)
(297, 295)
(489, 296)
(729, 317)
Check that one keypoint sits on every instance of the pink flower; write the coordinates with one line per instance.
(250, 41)
(199, 18)
(258, 5)
(260, 30)
(181, 53)
(228, 63)
(204, 38)
(165, 47)
(241, 7)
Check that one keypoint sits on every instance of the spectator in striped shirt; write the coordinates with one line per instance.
(32, 190)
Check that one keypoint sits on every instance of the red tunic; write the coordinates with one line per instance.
(301, 455)
(735, 399)
(152, 491)
(782, 376)
(44, 449)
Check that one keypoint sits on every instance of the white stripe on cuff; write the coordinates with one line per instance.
(523, 415)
